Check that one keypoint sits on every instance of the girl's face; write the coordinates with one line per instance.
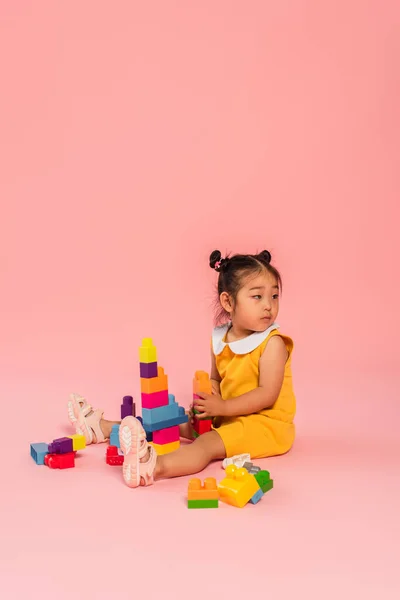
(257, 303)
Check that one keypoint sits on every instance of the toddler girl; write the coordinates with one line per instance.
(253, 403)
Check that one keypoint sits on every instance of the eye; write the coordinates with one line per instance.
(258, 297)
(275, 296)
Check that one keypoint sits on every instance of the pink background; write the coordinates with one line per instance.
(135, 138)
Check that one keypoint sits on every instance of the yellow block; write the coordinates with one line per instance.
(165, 448)
(154, 384)
(78, 441)
(147, 351)
(238, 486)
(202, 383)
(207, 491)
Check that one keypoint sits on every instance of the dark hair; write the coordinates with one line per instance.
(232, 270)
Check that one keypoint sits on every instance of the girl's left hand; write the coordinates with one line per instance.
(209, 405)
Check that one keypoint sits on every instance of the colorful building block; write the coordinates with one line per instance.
(148, 370)
(162, 413)
(166, 448)
(155, 384)
(60, 461)
(167, 436)
(257, 496)
(147, 352)
(264, 481)
(202, 383)
(153, 427)
(206, 491)
(237, 487)
(38, 452)
(203, 503)
(61, 446)
(114, 436)
(155, 400)
(78, 442)
(253, 469)
(201, 426)
(112, 456)
(128, 407)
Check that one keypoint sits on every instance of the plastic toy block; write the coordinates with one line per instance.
(238, 486)
(153, 427)
(167, 436)
(166, 448)
(202, 426)
(60, 461)
(147, 352)
(128, 407)
(114, 436)
(202, 383)
(78, 442)
(162, 413)
(155, 400)
(257, 496)
(61, 446)
(148, 370)
(38, 452)
(253, 469)
(203, 503)
(264, 481)
(155, 384)
(112, 456)
(206, 491)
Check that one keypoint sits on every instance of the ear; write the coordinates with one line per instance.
(226, 302)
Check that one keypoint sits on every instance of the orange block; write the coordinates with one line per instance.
(207, 491)
(154, 384)
(202, 383)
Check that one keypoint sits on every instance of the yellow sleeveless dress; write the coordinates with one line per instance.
(271, 431)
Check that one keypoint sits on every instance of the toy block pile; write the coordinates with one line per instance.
(161, 415)
(203, 495)
(243, 485)
(201, 383)
(60, 454)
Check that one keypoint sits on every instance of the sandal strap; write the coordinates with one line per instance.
(147, 469)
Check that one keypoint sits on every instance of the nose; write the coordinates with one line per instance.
(267, 305)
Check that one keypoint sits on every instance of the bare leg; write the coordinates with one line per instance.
(191, 458)
(106, 427)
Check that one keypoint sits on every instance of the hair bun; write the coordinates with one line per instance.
(214, 258)
(265, 256)
(217, 262)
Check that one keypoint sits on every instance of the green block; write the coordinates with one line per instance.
(264, 480)
(203, 503)
(195, 434)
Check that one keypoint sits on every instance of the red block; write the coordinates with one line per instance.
(112, 456)
(60, 461)
(202, 426)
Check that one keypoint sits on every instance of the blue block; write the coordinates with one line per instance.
(162, 413)
(151, 427)
(38, 452)
(257, 497)
(114, 437)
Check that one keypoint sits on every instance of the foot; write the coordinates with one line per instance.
(85, 419)
(140, 458)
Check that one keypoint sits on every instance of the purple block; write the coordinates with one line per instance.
(128, 407)
(148, 370)
(61, 446)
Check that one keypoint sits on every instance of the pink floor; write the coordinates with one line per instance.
(329, 529)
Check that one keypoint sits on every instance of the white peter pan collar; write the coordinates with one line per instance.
(243, 346)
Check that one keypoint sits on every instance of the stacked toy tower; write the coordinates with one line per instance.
(201, 383)
(160, 413)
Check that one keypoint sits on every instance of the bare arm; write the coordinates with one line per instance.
(215, 376)
(272, 369)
